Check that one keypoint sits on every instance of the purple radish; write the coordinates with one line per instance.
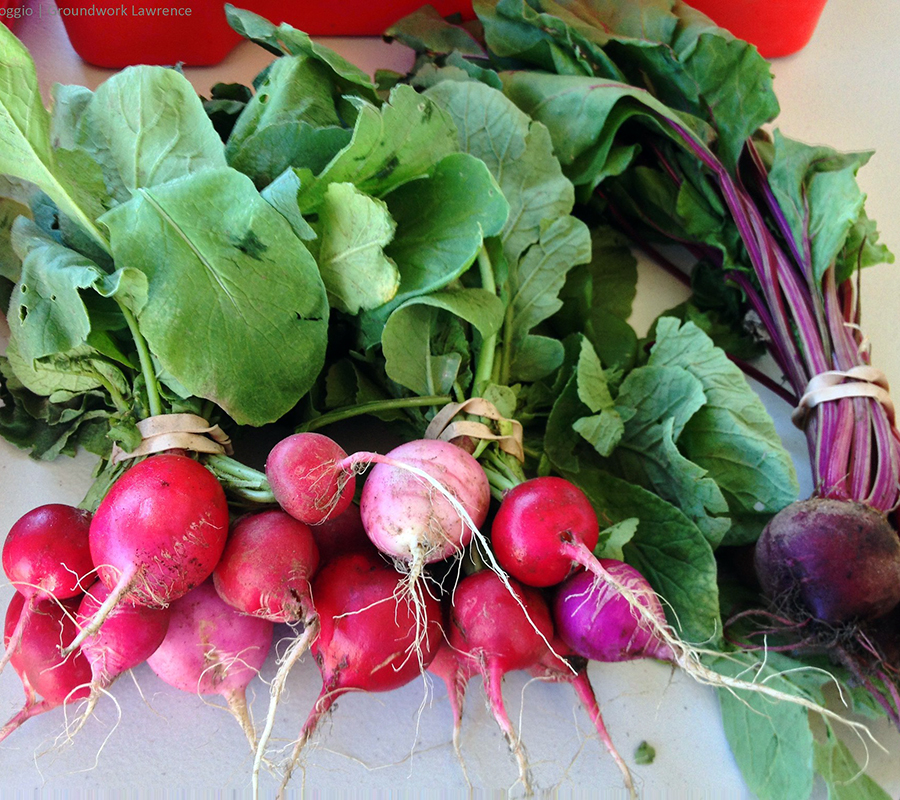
(212, 648)
(561, 664)
(265, 571)
(129, 636)
(371, 637)
(158, 533)
(46, 554)
(599, 623)
(622, 619)
(57, 680)
(306, 480)
(497, 627)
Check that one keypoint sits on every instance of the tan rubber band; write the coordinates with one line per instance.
(442, 427)
(176, 432)
(836, 385)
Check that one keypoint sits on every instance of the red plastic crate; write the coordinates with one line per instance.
(114, 34)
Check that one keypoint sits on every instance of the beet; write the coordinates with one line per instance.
(838, 560)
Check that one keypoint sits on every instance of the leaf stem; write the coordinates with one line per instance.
(484, 367)
(154, 403)
(373, 407)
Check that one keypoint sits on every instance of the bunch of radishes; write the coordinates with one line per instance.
(165, 576)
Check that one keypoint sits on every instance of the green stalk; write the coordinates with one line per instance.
(154, 401)
(373, 407)
(484, 366)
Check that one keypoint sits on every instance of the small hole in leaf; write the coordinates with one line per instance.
(264, 98)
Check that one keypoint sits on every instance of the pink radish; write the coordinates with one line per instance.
(157, 533)
(305, 478)
(57, 680)
(563, 665)
(129, 636)
(371, 639)
(497, 627)
(265, 571)
(211, 648)
(46, 554)
(455, 671)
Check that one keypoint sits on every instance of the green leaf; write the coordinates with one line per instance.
(145, 126)
(615, 537)
(442, 221)
(425, 30)
(47, 314)
(236, 311)
(390, 146)
(732, 436)
(771, 741)
(25, 147)
(519, 154)
(282, 195)
(407, 337)
(846, 781)
(668, 550)
(291, 121)
(353, 232)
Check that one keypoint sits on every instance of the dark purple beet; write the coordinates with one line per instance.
(839, 560)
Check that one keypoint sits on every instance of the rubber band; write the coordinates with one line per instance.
(833, 385)
(442, 427)
(176, 432)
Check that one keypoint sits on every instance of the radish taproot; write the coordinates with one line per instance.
(371, 637)
(49, 679)
(212, 648)
(561, 664)
(158, 533)
(497, 626)
(46, 554)
(129, 636)
(305, 477)
(265, 571)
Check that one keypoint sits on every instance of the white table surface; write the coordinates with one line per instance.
(843, 89)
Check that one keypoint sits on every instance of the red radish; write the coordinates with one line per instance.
(371, 638)
(563, 665)
(496, 628)
(265, 571)
(46, 554)
(306, 480)
(211, 648)
(58, 680)
(455, 671)
(341, 534)
(158, 533)
(544, 528)
(129, 636)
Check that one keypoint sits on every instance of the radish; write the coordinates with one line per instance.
(129, 636)
(371, 639)
(455, 671)
(211, 648)
(622, 619)
(46, 554)
(497, 627)
(306, 480)
(341, 534)
(57, 680)
(157, 533)
(562, 664)
(265, 571)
